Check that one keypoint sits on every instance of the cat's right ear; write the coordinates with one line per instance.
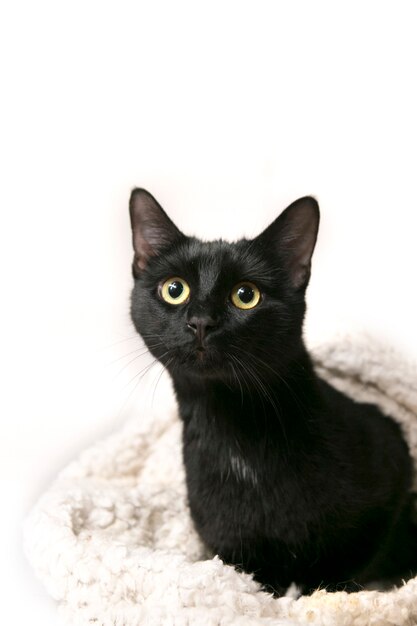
(152, 230)
(292, 237)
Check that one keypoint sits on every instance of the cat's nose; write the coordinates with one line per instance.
(201, 326)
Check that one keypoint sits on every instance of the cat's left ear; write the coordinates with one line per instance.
(292, 237)
(152, 229)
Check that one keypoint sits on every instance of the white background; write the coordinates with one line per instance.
(226, 111)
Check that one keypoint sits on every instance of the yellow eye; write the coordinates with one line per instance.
(245, 295)
(175, 290)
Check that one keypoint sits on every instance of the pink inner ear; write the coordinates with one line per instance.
(300, 257)
(299, 238)
(143, 251)
(305, 246)
(300, 274)
(152, 228)
(140, 263)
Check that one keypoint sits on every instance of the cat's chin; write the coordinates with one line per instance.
(201, 363)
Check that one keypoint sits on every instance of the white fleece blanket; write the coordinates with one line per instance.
(113, 541)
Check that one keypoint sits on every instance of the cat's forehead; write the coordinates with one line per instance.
(211, 256)
(219, 256)
(216, 262)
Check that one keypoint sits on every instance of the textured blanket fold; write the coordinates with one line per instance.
(113, 541)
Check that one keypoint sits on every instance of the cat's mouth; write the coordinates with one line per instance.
(202, 355)
(202, 359)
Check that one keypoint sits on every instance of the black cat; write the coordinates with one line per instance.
(287, 478)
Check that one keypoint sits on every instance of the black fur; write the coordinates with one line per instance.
(287, 478)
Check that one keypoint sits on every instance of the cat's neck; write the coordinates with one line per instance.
(247, 406)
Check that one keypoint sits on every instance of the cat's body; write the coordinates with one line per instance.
(313, 508)
(287, 478)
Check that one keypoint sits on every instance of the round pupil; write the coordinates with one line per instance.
(175, 289)
(245, 294)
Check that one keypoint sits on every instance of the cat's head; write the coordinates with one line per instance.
(212, 309)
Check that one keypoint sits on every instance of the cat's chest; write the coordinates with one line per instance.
(233, 494)
(242, 469)
(223, 461)
(233, 462)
